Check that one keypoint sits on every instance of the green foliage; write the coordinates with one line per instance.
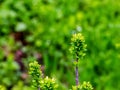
(20, 86)
(48, 84)
(47, 25)
(7, 70)
(35, 73)
(84, 86)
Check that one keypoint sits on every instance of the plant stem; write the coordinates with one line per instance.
(76, 72)
(39, 88)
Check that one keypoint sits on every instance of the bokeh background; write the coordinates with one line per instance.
(41, 30)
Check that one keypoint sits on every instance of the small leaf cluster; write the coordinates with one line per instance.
(48, 84)
(35, 73)
(84, 86)
(78, 46)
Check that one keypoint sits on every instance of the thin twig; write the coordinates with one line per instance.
(39, 88)
(76, 72)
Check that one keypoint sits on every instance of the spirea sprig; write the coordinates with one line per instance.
(78, 46)
(48, 84)
(35, 72)
(37, 80)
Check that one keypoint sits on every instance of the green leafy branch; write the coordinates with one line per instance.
(37, 80)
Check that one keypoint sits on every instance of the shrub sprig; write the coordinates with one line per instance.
(78, 49)
(37, 80)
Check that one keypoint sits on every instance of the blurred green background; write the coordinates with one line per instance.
(41, 30)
